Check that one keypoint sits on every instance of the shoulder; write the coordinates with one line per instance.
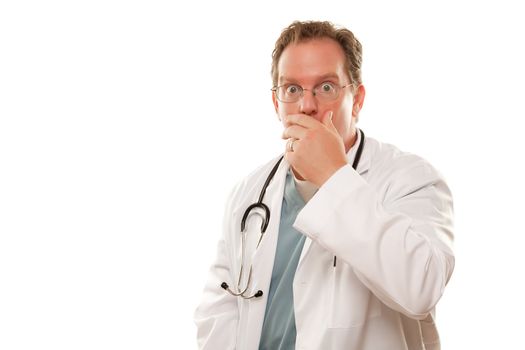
(400, 171)
(254, 180)
(387, 158)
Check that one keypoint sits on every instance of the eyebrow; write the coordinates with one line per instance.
(322, 78)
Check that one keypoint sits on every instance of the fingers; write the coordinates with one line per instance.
(294, 131)
(297, 125)
(308, 121)
(300, 119)
(327, 119)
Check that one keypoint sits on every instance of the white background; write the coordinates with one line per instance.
(124, 125)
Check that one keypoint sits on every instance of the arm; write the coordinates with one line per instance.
(399, 243)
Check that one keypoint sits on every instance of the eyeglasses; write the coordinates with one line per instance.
(325, 92)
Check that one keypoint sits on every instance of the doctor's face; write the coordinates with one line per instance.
(310, 64)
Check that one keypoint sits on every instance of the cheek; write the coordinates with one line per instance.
(347, 105)
(346, 109)
(286, 109)
(344, 116)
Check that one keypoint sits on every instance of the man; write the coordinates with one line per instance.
(354, 248)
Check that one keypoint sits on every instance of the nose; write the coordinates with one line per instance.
(308, 104)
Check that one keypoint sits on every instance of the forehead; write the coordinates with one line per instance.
(311, 60)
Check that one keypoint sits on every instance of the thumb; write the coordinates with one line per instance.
(327, 119)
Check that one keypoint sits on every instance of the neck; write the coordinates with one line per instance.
(351, 141)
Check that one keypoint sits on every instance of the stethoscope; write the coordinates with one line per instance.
(264, 225)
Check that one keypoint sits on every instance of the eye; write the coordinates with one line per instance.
(327, 87)
(293, 89)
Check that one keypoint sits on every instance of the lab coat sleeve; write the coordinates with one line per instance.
(397, 238)
(217, 315)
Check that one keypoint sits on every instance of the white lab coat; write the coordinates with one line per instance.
(390, 225)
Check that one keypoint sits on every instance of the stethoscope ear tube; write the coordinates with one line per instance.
(264, 225)
(359, 150)
(260, 203)
(266, 217)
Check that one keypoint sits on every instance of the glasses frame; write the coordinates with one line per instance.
(314, 91)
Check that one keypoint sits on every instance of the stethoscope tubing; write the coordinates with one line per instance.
(264, 225)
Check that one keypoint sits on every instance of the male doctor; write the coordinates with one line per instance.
(357, 249)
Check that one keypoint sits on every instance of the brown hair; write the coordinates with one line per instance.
(304, 31)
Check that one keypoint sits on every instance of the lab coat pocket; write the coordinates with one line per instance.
(351, 303)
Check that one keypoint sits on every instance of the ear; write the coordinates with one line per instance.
(359, 99)
(275, 105)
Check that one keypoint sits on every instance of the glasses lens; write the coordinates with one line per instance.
(326, 91)
(289, 93)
